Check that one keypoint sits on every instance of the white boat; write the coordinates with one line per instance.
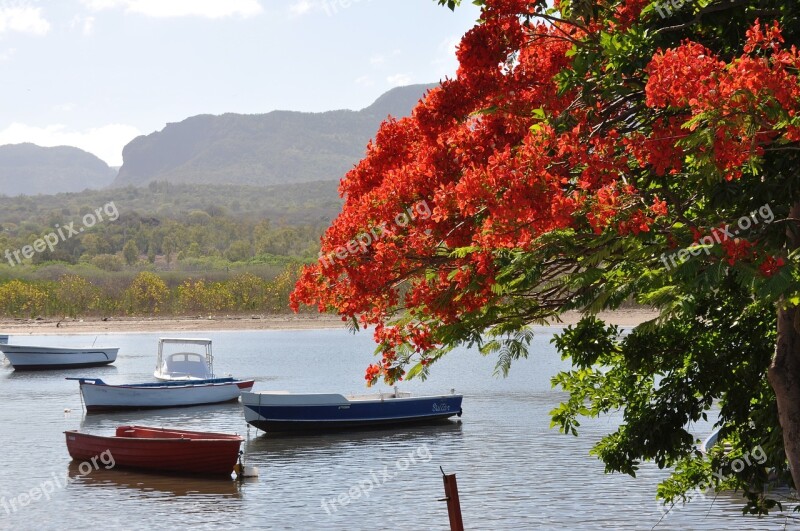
(176, 361)
(186, 379)
(713, 440)
(31, 357)
(3, 339)
(100, 396)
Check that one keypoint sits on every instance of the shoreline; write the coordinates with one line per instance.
(134, 325)
(140, 325)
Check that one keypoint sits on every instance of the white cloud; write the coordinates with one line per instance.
(65, 107)
(88, 25)
(380, 59)
(301, 7)
(364, 81)
(98, 5)
(398, 80)
(181, 8)
(446, 53)
(106, 142)
(6, 55)
(23, 19)
(85, 24)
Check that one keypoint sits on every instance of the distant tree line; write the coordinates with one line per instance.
(147, 293)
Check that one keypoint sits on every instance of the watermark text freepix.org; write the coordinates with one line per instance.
(367, 485)
(420, 210)
(757, 456)
(762, 214)
(62, 233)
(333, 6)
(668, 7)
(48, 487)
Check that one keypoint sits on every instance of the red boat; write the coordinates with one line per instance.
(158, 449)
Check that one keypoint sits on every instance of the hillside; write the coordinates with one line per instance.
(30, 169)
(279, 147)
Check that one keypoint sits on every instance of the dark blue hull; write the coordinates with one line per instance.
(65, 366)
(350, 414)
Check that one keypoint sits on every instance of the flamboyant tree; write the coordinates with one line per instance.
(585, 155)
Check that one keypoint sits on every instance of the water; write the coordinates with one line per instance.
(513, 471)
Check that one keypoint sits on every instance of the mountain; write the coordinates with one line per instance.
(31, 170)
(261, 149)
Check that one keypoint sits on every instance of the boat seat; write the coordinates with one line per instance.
(185, 364)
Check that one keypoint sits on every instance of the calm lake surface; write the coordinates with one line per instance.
(514, 472)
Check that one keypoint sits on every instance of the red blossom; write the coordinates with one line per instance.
(770, 266)
(737, 249)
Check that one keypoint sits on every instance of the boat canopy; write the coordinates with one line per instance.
(188, 341)
(184, 364)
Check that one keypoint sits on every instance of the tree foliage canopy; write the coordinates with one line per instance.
(585, 155)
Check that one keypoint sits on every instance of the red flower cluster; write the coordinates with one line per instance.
(770, 266)
(737, 249)
(762, 84)
(483, 151)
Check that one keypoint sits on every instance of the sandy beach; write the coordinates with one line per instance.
(132, 325)
(128, 325)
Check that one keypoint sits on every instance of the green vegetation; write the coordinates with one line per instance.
(174, 249)
(164, 223)
(145, 293)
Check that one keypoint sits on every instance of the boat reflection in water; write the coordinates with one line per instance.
(269, 446)
(48, 375)
(149, 485)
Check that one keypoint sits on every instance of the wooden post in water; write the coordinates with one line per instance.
(453, 503)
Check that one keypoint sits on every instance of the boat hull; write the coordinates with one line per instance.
(98, 396)
(34, 358)
(157, 449)
(323, 412)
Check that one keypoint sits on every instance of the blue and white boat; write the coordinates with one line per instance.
(185, 379)
(291, 412)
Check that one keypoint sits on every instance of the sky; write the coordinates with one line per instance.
(97, 73)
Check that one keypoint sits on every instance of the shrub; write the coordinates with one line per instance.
(75, 295)
(147, 294)
(19, 299)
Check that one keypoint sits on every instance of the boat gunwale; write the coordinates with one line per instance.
(15, 349)
(229, 438)
(350, 399)
(174, 384)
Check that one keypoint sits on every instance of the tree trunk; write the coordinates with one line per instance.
(784, 376)
(784, 372)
